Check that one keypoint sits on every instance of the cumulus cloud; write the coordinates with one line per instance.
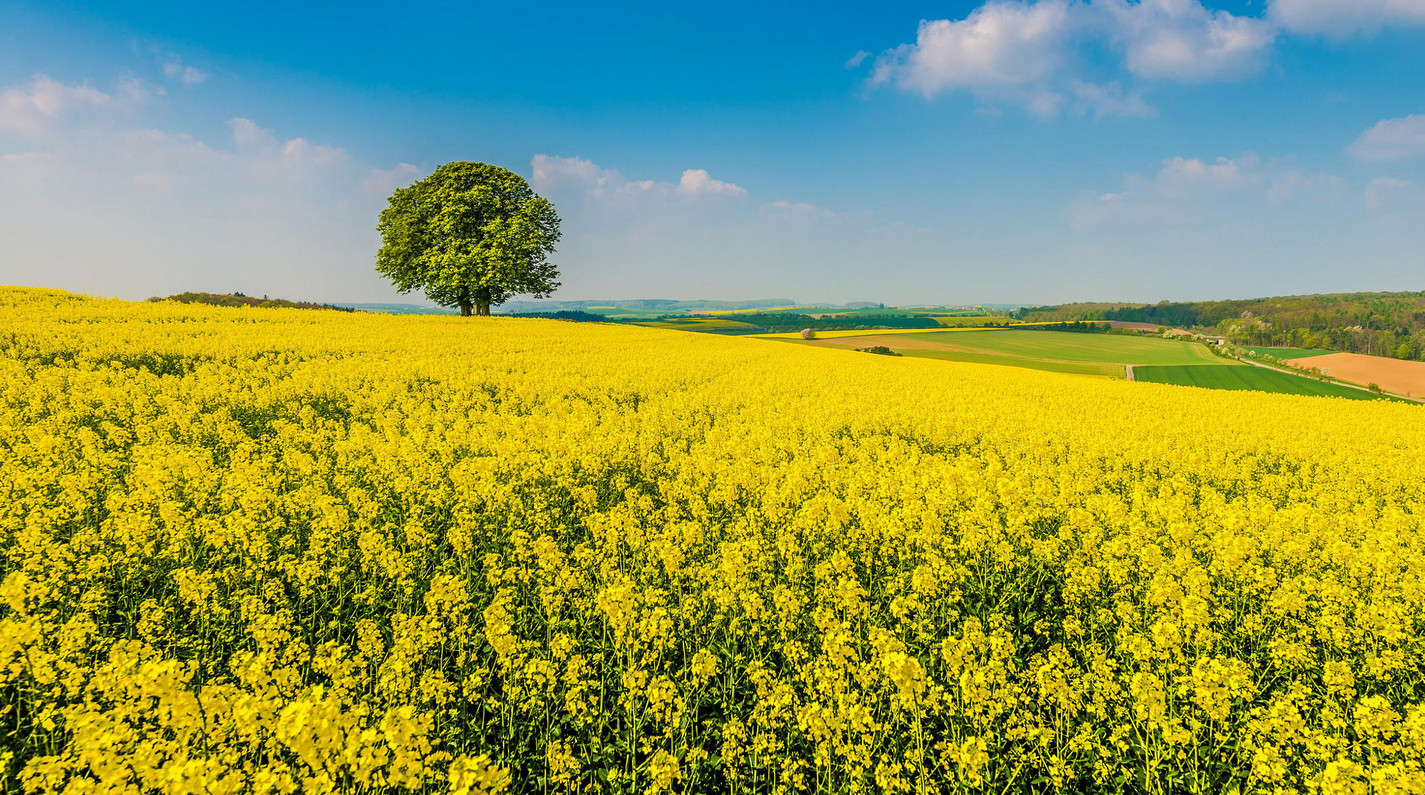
(1342, 18)
(552, 174)
(1391, 139)
(696, 181)
(1002, 52)
(95, 200)
(1033, 53)
(1190, 189)
(1182, 40)
(999, 45)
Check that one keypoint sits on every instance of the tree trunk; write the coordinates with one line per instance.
(482, 302)
(464, 307)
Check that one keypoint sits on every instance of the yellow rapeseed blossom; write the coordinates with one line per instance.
(277, 551)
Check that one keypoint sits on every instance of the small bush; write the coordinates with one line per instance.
(879, 350)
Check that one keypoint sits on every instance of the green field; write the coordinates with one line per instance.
(1154, 360)
(954, 321)
(1101, 355)
(1064, 346)
(1076, 368)
(1286, 353)
(1246, 377)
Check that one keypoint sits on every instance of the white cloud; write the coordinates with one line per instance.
(856, 60)
(1190, 189)
(554, 174)
(1003, 51)
(1391, 139)
(697, 182)
(250, 138)
(1181, 177)
(1033, 53)
(1342, 18)
(174, 69)
(1181, 40)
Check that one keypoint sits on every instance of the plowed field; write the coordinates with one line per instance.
(1393, 375)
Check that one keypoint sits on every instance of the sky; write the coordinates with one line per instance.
(1011, 151)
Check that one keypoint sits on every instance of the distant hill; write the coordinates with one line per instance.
(238, 299)
(1381, 324)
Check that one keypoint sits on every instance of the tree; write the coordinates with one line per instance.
(471, 235)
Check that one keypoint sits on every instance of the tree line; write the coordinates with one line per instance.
(1378, 324)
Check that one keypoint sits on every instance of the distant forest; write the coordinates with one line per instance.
(238, 299)
(1380, 324)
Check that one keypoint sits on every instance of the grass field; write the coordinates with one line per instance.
(1075, 368)
(1019, 347)
(1066, 346)
(1100, 355)
(1287, 353)
(822, 336)
(1238, 377)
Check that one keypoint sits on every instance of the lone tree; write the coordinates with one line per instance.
(471, 235)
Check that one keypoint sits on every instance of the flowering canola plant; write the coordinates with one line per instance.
(277, 551)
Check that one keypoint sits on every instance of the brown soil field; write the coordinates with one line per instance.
(888, 340)
(1135, 326)
(1393, 375)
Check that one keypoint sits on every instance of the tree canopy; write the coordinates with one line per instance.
(471, 235)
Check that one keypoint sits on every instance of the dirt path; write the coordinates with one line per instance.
(1128, 371)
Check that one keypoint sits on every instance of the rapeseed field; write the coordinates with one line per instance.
(278, 551)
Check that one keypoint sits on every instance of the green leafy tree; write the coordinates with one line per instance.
(471, 235)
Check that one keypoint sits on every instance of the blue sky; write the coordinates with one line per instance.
(1033, 151)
